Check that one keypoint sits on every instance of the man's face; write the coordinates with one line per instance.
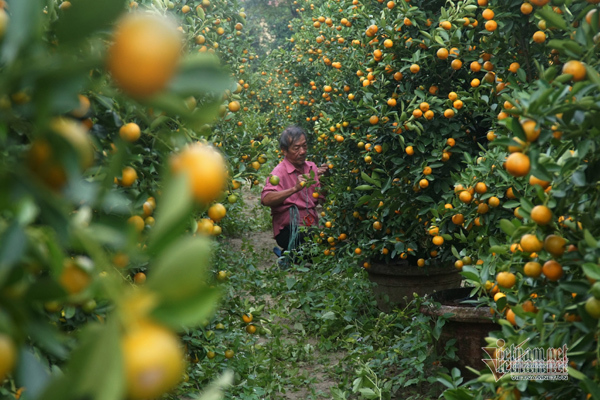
(296, 152)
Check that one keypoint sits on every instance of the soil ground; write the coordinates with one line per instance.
(319, 370)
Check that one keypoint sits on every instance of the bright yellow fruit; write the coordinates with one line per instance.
(153, 360)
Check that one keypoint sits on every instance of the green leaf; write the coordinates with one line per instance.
(593, 75)
(96, 367)
(470, 273)
(33, 375)
(180, 270)
(174, 104)
(290, 282)
(109, 235)
(526, 205)
(329, 315)
(498, 250)
(516, 128)
(591, 387)
(558, 45)
(368, 393)
(578, 178)
(25, 28)
(200, 73)
(57, 389)
(575, 287)
(539, 322)
(552, 19)
(372, 181)
(217, 387)
(445, 380)
(425, 199)
(363, 200)
(589, 239)
(190, 311)
(576, 374)
(522, 74)
(511, 204)
(364, 188)
(551, 72)
(158, 121)
(540, 172)
(47, 338)
(501, 303)
(12, 245)
(387, 185)
(591, 270)
(458, 394)
(45, 289)
(573, 47)
(507, 227)
(172, 214)
(69, 311)
(85, 17)
(455, 252)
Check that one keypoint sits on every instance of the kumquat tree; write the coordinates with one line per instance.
(458, 137)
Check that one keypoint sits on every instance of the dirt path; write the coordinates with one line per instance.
(262, 240)
(319, 369)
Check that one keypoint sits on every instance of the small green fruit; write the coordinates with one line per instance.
(592, 306)
(595, 291)
(274, 180)
(89, 306)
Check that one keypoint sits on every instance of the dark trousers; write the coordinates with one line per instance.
(283, 238)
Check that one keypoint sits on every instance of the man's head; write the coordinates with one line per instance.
(293, 144)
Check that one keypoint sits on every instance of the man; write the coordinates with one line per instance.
(292, 203)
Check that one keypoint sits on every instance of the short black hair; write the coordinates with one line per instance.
(289, 135)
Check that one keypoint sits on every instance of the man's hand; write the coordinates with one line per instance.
(322, 169)
(300, 183)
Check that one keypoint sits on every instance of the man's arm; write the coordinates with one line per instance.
(273, 199)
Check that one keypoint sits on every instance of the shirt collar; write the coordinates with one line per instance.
(289, 167)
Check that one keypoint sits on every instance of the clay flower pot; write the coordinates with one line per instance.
(401, 279)
(467, 324)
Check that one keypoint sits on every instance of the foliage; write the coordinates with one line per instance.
(269, 23)
(509, 84)
(87, 209)
(289, 309)
(458, 135)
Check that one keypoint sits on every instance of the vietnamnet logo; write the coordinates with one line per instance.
(524, 363)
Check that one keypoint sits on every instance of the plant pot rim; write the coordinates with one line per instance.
(403, 267)
(460, 312)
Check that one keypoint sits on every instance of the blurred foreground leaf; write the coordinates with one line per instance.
(215, 390)
(172, 214)
(200, 74)
(95, 369)
(32, 374)
(180, 271)
(25, 27)
(188, 312)
(12, 246)
(85, 17)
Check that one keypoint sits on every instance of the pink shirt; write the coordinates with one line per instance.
(306, 203)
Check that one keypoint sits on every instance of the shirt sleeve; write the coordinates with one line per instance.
(269, 187)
